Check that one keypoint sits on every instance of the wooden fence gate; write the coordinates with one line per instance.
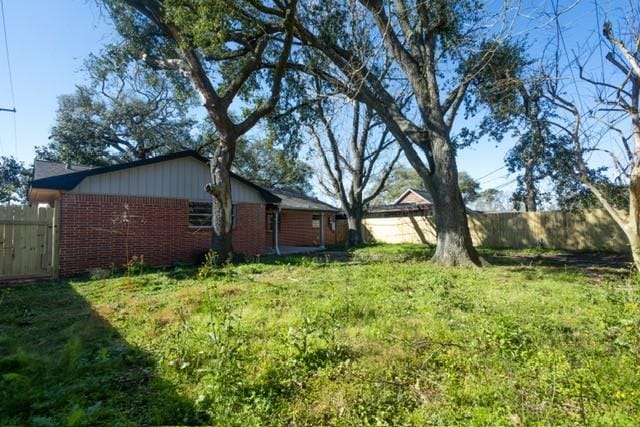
(29, 242)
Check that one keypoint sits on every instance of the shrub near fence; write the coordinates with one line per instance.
(582, 230)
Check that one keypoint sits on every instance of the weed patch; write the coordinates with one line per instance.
(389, 339)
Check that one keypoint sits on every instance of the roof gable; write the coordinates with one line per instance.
(419, 196)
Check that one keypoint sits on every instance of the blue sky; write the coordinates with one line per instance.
(49, 40)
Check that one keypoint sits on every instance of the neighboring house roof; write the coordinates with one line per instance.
(45, 169)
(421, 194)
(296, 200)
(399, 207)
(56, 176)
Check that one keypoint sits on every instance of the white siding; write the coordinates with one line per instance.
(182, 178)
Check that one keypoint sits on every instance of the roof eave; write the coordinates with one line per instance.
(69, 181)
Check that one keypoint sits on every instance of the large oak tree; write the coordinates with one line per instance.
(430, 50)
(232, 53)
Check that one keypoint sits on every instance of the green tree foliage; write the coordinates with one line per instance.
(234, 55)
(14, 179)
(513, 93)
(400, 179)
(403, 178)
(413, 63)
(264, 163)
(469, 187)
(492, 200)
(125, 113)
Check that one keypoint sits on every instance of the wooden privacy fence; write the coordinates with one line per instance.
(29, 242)
(582, 230)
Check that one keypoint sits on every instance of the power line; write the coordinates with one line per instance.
(560, 38)
(6, 49)
(490, 173)
(505, 184)
(12, 91)
(599, 32)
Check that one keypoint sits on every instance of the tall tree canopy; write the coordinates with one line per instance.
(515, 98)
(400, 179)
(14, 179)
(412, 62)
(264, 163)
(610, 118)
(125, 113)
(403, 178)
(351, 157)
(233, 54)
(469, 187)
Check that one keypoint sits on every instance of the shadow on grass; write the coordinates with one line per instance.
(62, 363)
(605, 261)
(591, 262)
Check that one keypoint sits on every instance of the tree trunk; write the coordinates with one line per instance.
(354, 233)
(632, 229)
(220, 190)
(454, 245)
(530, 197)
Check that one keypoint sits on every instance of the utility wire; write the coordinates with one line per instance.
(505, 184)
(560, 37)
(490, 173)
(599, 32)
(13, 95)
(6, 50)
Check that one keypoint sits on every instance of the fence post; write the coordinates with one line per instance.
(55, 240)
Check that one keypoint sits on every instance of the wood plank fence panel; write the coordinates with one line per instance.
(582, 230)
(28, 242)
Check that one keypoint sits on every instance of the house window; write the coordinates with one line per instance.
(315, 221)
(200, 214)
(270, 221)
(234, 215)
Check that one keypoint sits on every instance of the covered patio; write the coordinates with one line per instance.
(299, 224)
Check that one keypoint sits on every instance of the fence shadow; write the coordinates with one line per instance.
(418, 230)
(62, 363)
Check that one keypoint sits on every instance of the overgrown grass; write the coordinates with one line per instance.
(307, 342)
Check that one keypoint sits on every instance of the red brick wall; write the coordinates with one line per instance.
(93, 233)
(296, 229)
(249, 232)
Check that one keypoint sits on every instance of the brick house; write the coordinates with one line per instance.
(157, 208)
(414, 196)
(410, 202)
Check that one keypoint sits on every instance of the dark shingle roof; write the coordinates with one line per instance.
(68, 179)
(296, 200)
(398, 207)
(45, 169)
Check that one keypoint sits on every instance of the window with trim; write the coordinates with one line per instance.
(200, 214)
(270, 221)
(234, 215)
(315, 221)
